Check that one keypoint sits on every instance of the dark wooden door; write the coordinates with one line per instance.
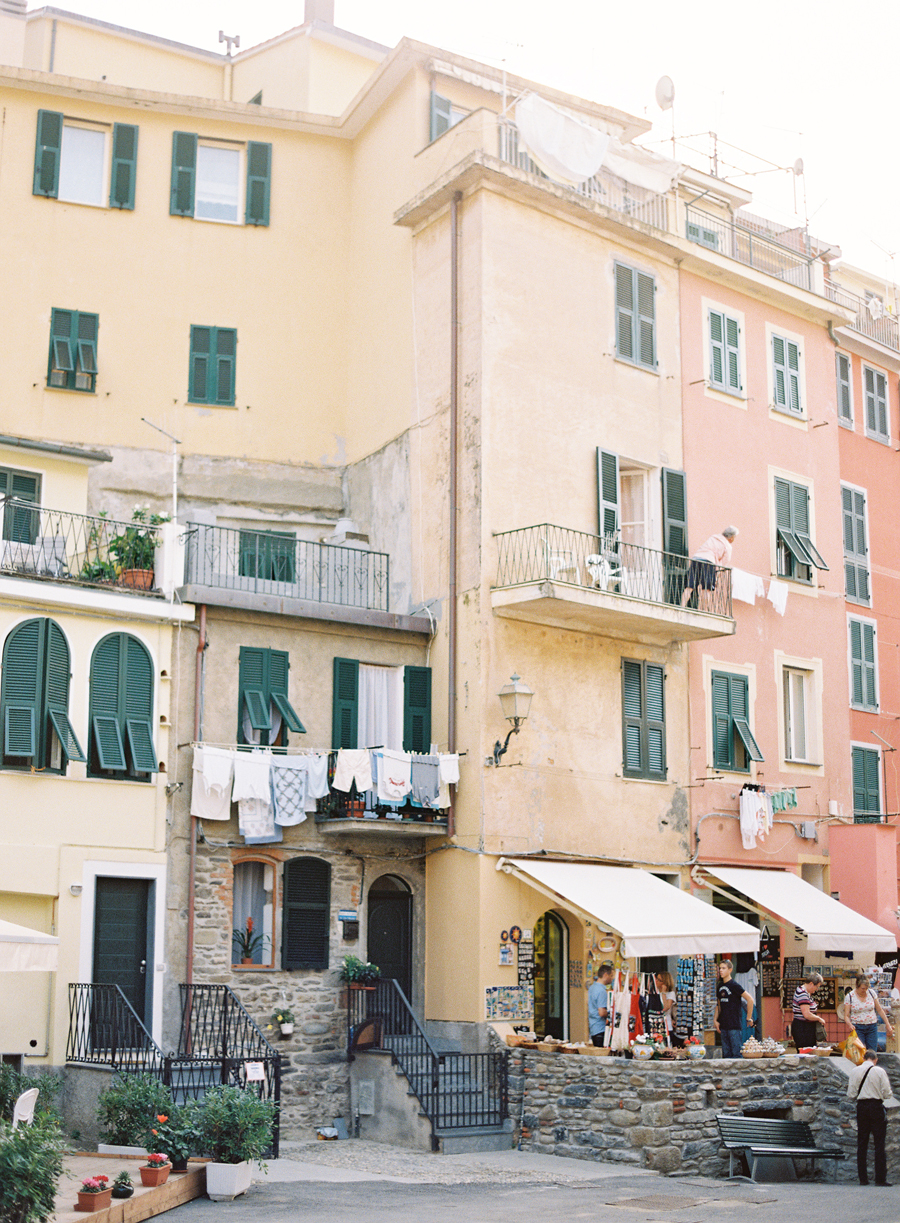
(122, 952)
(389, 939)
(550, 977)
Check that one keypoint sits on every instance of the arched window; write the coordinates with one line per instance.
(34, 699)
(252, 903)
(121, 709)
(307, 913)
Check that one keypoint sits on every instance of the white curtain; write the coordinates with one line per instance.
(380, 707)
(250, 901)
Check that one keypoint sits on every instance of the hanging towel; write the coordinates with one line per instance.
(424, 781)
(778, 593)
(746, 586)
(289, 789)
(211, 783)
(251, 776)
(749, 806)
(256, 820)
(316, 779)
(394, 776)
(449, 762)
(353, 765)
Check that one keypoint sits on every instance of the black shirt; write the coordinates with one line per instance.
(729, 995)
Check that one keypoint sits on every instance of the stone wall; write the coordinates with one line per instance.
(661, 1115)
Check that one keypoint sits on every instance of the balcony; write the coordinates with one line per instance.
(570, 579)
(871, 320)
(751, 245)
(362, 815)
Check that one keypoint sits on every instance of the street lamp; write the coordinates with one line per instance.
(515, 701)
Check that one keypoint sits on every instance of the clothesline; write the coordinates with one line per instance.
(305, 750)
(747, 587)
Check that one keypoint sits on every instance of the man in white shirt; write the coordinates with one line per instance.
(869, 1086)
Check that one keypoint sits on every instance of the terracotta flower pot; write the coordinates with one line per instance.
(155, 1176)
(90, 1202)
(137, 579)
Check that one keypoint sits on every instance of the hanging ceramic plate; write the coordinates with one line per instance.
(608, 944)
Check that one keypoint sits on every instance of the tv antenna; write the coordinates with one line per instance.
(175, 442)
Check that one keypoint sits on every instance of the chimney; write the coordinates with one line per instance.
(319, 10)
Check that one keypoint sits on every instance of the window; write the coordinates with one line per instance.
(252, 902)
(268, 555)
(643, 720)
(121, 710)
(207, 177)
(797, 693)
(211, 376)
(724, 352)
(844, 393)
(875, 394)
(796, 553)
(34, 699)
(265, 714)
(73, 350)
(733, 743)
(863, 665)
(786, 375)
(20, 524)
(635, 316)
(625, 515)
(307, 914)
(866, 785)
(374, 706)
(71, 161)
(443, 116)
(856, 551)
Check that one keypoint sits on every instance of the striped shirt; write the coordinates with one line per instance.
(802, 998)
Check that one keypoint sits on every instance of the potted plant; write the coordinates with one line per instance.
(696, 1048)
(123, 1186)
(175, 1135)
(126, 1111)
(94, 1194)
(235, 1128)
(247, 943)
(134, 549)
(284, 1019)
(156, 1170)
(359, 974)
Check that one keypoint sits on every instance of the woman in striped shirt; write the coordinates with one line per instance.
(803, 1029)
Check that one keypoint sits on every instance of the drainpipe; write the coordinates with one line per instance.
(454, 458)
(192, 870)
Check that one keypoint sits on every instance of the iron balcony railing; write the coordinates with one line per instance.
(104, 1029)
(604, 187)
(339, 804)
(550, 553)
(43, 543)
(749, 246)
(278, 563)
(455, 1090)
(871, 319)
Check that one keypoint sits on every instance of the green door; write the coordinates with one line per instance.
(550, 977)
(122, 945)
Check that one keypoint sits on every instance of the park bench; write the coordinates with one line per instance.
(755, 1138)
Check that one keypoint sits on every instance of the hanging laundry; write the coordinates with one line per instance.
(394, 780)
(211, 783)
(256, 820)
(316, 779)
(353, 765)
(424, 781)
(746, 587)
(790, 798)
(449, 765)
(289, 789)
(251, 776)
(778, 593)
(752, 816)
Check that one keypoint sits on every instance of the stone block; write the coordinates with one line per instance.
(657, 1114)
(664, 1159)
(647, 1136)
(623, 1118)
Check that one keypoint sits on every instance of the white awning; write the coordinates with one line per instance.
(652, 916)
(827, 924)
(26, 950)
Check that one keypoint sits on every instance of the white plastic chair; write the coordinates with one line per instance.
(23, 1109)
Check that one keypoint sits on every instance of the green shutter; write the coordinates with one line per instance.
(201, 363)
(845, 401)
(440, 119)
(288, 713)
(779, 364)
(122, 692)
(856, 552)
(876, 403)
(257, 709)
(108, 742)
(793, 377)
(259, 178)
(646, 302)
(625, 312)
(65, 732)
(723, 736)
(137, 683)
(655, 705)
(184, 173)
(866, 788)
(863, 665)
(307, 914)
(716, 348)
(416, 709)
(643, 719)
(22, 689)
(124, 166)
(20, 524)
(225, 347)
(674, 498)
(607, 495)
(632, 718)
(139, 732)
(48, 145)
(733, 354)
(345, 704)
(742, 726)
(253, 690)
(18, 732)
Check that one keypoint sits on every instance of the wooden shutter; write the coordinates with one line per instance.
(307, 913)
(201, 363)
(21, 689)
(345, 704)
(279, 667)
(20, 524)
(723, 734)
(440, 118)
(124, 166)
(184, 173)
(876, 402)
(733, 354)
(856, 552)
(61, 364)
(48, 146)
(866, 788)
(646, 303)
(632, 719)
(793, 377)
(86, 328)
(655, 707)
(625, 312)
(259, 179)
(416, 709)
(716, 348)
(107, 665)
(224, 346)
(607, 494)
(800, 514)
(740, 716)
(136, 705)
(674, 498)
(56, 681)
(863, 665)
(253, 690)
(779, 364)
(845, 402)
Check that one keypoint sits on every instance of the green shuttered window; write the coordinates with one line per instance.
(866, 785)
(416, 708)
(875, 390)
(124, 166)
(307, 912)
(643, 720)
(607, 494)
(121, 709)
(733, 743)
(34, 699)
(211, 375)
(796, 552)
(786, 375)
(72, 364)
(19, 522)
(844, 394)
(259, 181)
(263, 697)
(635, 316)
(183, 195)
(863, 665)
(724, 352)
(60, 150)
(856, 550)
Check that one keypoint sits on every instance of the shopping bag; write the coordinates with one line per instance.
(854, 1049)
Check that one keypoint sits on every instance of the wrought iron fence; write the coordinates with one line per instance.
(278, 563)
(104, 1029)
(871, 319)
(350, 804)
(749, 246)
(455, 1090)
(43, 543)
(607, 563)
(604, 187)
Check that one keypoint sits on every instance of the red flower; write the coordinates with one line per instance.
(162, 1118)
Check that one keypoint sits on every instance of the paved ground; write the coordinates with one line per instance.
(347, 1182)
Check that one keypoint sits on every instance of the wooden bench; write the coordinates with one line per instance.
(755, 1138)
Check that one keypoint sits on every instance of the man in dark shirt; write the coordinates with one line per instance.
(729, 996)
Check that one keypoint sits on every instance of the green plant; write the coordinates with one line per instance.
(123, 1180)
(282, 1015)
(94, 1184)
(235, 1125)
(30, 1168)
(156, 1160)
(127, 1108)
(176, 1134)
(355, 971)
(135, 547)
(246, 943)
(13, 1083)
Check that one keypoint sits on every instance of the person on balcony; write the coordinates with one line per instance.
(711, 556)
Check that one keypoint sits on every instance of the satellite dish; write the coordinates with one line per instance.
(665, 93)
(798, 166)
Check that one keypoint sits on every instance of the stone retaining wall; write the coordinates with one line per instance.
(661, 1115)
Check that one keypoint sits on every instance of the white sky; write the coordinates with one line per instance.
(780, 78)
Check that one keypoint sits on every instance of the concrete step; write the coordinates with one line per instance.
(475, 1138)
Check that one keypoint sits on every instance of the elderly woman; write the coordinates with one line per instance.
(861, 1008)
(804, 1027)
(711, 556)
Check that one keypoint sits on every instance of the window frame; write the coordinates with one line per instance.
(77, 349)
(633, 318)
(292, 910)
(121, 740)
(855, 521)
(642, 670)
(212, 371)
(844, 418)
(263, 678)
(793, 378)
(789, 673)
(794, 546)
(417, 703)
(736, 727)
(730, 353)
(870, 765)
(254, 178)
(442, 115)
(267, 907)
(119, 168)
(863, 663)
(880, 403)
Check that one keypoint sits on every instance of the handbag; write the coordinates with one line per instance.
(854, 1049)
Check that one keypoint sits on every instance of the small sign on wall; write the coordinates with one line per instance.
(506, 955)
(254, 1072)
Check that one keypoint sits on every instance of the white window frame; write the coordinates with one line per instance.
(240, 152)
(748, 671)
(103, 130)
(874, 434)
(811, 671)
(713, 389)
(796, 694)
(846, 421)
(777, 412)
(874, 624)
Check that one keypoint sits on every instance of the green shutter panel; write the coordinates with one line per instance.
(201, 363)
(873, 789)
(416, 709)
(307, 914)
(124, 166)
(257, 709)
(259, 179)
(625, 312)
(253, 689)
(288, 713)
(779, 364)
(733, 354)
(632, 717)
(19, 731)
(740, 711)
(674, 498)
(646, 300)
(870, 687)
(869, 381)
(881, 405)
(48, 144)
(139, 732)
(108, 667)
(845, 405)
(723, 751)
(21, 524)
(607, 494)
(65, 732)
(279, 666)
(86, 327)
(859, 781)
(57, 668)
(440, 119)
(184, 172)
(108, 741)
(793, 377)
(716, 348)
(21, 688)
(62, 360)
(857, 682)
(137, 682)
(225, 347)
(345, 703)
(800, 515)
(656, 719)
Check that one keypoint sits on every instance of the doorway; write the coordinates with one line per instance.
(551, 955)
(123, 940)
(389, 930)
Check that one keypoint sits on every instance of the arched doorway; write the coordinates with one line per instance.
(389, 929)
(551, 995)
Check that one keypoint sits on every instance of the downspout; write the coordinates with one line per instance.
(192, 869)
(454, 462)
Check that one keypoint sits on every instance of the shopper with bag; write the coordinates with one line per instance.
(869, 1087)
(804, 1027)
(861, 1008)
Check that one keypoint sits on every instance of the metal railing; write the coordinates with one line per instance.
(749, 246)
(455, 1090)
(593, 562)
(870, 318)
(604, 187)
(42, 543)
(350, 804)
(104, 1030)
(265, 562)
